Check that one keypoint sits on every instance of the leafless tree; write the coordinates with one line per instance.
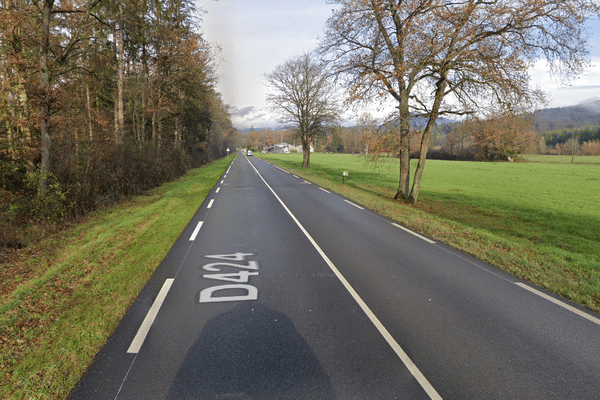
(302, 94)
(436, 57)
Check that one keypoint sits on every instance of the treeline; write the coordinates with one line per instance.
(582, 135)
(261, 139)
(100, 100)
(336, 139)
(501, 137)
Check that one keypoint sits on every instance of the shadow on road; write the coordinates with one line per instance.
(251, 352)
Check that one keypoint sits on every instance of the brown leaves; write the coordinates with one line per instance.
(500, 138)
(482, 47)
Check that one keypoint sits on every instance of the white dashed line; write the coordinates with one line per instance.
(413, 233)
(558, 303)
(355, 205)
(193, 237)
(139, 338)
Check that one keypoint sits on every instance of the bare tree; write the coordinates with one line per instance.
(55, 52)
(436, 57)
(302, 94)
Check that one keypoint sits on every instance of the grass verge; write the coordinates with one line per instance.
(82, 281)
(538, 221)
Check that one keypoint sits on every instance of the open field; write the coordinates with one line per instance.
(562, 159)
(539, 221)
(82, 281)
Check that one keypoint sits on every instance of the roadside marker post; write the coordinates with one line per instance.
(344, 175)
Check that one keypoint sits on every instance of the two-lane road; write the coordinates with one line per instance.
(278, 289)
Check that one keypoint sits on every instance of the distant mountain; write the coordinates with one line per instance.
(421, 122)
(581, 115)
(545, 120)
(248, 130)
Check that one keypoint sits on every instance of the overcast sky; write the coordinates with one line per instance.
(254, 36)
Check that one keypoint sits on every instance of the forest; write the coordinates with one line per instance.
(100, 100)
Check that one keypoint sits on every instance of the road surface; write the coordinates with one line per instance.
(278, 289)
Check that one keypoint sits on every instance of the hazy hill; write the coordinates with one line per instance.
(581, 115)
(546, 120)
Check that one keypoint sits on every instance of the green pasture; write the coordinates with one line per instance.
(561, 159)
(539, 221)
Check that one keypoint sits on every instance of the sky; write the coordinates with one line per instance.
(252, 37)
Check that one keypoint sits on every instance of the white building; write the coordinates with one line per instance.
(285, 148)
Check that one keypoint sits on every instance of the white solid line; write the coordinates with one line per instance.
(326, 191)
(217, 191)
(210, 203)
(559, 303)
(139, 338)
(352, 204)
(193, 237)
(410, 365)
(413, 233)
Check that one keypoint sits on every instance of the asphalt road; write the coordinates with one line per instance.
(278, 289)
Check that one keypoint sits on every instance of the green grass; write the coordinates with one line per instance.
(61, 300)
(562, 159)
(539, 221)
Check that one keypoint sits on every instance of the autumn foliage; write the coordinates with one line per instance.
(501, 137)
(99, 100)
(434, 57)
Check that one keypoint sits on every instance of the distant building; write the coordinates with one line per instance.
(284, 148)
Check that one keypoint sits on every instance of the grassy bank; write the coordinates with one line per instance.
(539, 221)
(82, 281)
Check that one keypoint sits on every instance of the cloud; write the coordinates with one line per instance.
(237, 112)
(255, 36)
(583, 88)
(252, 117)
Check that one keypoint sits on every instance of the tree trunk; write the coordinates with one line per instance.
(305, 152)
(88, 106)
(45, 92)
(414, 193)
(159, 134)
(120, 128)
(154, 140)
(439, 95)
(404, 182)
(177, 135)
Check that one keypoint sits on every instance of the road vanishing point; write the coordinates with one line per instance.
(280, 289)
